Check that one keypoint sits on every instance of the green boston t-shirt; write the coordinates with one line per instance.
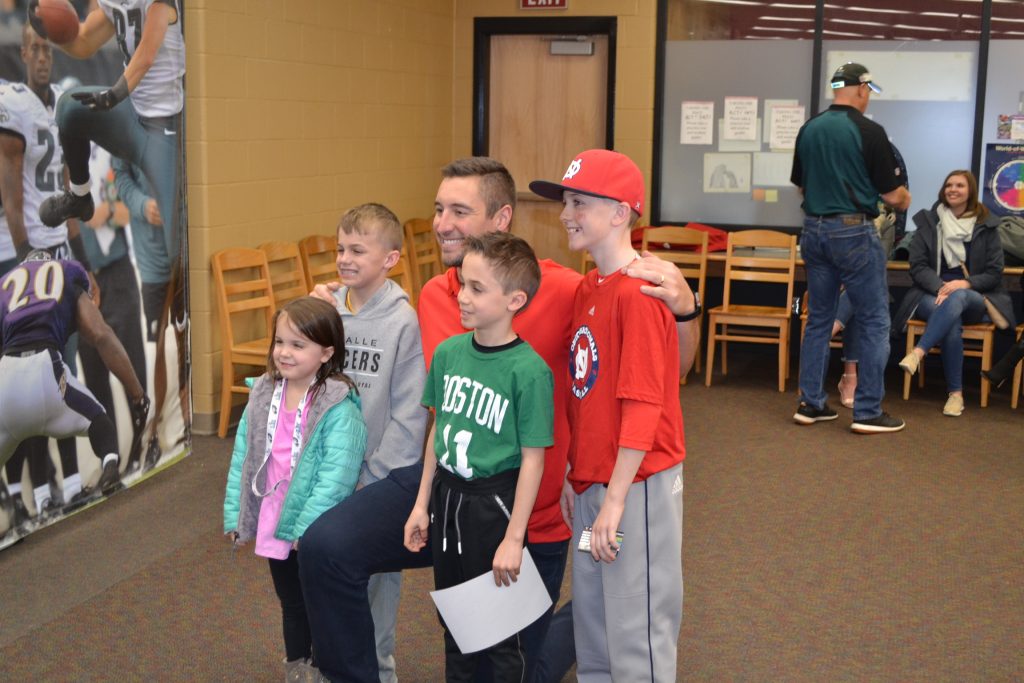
(489, 404)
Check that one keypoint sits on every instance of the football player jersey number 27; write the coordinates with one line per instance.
(462, 439)
(47, 284)
(123, 21)
(46, 179)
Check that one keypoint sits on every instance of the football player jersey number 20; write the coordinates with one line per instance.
(462, 439)
(48, 284)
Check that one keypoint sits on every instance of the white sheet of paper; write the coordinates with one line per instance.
(767, 120)
(740, 118)
(786, 123)
(737, 145)
(726, 173)
(772, 169)
(480, 614)
(697, 123)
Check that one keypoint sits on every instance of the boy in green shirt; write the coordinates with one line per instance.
(492, 396)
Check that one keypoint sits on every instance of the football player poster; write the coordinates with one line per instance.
(94, 324)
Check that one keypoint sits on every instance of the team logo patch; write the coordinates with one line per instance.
(583, 362)
(573, 169)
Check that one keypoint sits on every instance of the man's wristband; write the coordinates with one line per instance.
(697, 310)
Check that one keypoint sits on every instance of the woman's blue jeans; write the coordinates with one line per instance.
(945, 329)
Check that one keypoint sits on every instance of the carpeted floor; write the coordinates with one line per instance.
(810, 554)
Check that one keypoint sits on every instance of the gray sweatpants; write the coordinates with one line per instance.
(626, 614)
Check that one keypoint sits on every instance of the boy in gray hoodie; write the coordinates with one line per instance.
(385, 359)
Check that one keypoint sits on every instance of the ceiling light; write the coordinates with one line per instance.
(921, 28)
(876, 11)
(858, 22)
(803, 19)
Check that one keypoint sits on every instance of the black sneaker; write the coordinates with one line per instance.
(808, 414)
(110, 478)
(57, 208)
(878, 425)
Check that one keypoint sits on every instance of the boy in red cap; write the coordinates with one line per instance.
(624, 485)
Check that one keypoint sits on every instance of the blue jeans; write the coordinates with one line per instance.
(360, 536)
(945, 329)
(850, 255)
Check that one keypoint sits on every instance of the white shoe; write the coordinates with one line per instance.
(910, 363)
(954, 405)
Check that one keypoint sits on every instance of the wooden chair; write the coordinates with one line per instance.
(692, 263)
(287, 274)
(1017, 371)
(977, 344)
(423, 250)
(402, 273)
(245, 301)
(756, 324)
(318, 254)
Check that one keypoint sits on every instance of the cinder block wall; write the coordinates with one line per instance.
(299, 109)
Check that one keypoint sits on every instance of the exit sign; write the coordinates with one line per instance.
(543, 4)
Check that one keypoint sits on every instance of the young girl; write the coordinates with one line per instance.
(297, 453)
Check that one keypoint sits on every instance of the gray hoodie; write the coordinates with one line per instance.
(384, 357)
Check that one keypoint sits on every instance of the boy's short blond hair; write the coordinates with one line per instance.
(512, 260)
(373, 219)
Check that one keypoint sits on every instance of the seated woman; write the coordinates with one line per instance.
(955, 258)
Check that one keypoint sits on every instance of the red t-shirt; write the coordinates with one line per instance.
(544, 325)
(624, 381)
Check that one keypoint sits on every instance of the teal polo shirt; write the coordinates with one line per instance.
(843, 161)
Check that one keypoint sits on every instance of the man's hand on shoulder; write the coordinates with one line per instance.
(666, 282)
(326, 291)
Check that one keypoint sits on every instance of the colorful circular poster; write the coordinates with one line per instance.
(1008, 185)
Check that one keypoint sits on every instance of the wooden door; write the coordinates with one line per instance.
(542, 110)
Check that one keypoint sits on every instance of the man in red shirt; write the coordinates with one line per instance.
(348, 543)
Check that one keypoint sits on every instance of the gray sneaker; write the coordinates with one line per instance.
(301, 671)
(878, 425)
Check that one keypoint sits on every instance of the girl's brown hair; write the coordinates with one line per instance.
(318, 321)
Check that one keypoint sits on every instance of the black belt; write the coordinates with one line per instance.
(847, 218)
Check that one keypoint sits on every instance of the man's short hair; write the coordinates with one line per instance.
(497, 188)
(512, 260)
(373, 219)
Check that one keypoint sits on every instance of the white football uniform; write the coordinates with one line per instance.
(7, 251)
(159, 93)
(23, 114)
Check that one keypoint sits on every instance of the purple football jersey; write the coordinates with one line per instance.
(38, 303)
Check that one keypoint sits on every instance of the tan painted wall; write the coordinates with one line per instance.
(299, 109)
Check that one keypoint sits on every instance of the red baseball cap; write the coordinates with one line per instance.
(600, 173)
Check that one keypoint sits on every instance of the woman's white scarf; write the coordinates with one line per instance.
(953, 232)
